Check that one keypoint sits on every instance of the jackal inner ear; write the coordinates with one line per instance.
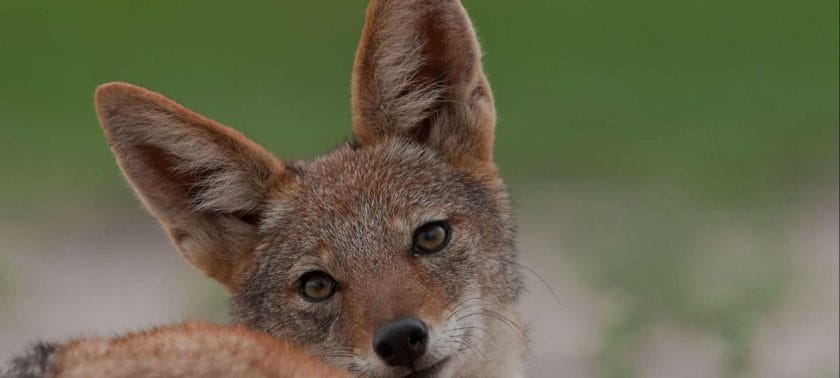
(206, 183)
(418, 76)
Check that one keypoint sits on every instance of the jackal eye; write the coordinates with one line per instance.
(317, 286)
(431, 237)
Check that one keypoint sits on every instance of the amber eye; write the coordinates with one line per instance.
(431, 237)
(317, 286)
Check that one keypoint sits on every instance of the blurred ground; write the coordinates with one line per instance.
(798, 336)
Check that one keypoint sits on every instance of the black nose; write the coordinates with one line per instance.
(401, 342)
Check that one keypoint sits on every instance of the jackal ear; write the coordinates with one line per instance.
(206, 183)
(418, 75)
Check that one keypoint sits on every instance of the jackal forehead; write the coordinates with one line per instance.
(357, 194)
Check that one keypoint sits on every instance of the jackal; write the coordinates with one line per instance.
(392, 255)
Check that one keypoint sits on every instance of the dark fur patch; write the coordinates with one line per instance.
(353, 143)
(34, 363)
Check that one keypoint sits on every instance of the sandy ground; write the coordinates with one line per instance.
(109, 274)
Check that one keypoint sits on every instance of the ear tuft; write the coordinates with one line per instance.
(110, 96)
(114, 99)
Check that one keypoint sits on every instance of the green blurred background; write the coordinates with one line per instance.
(674, 163)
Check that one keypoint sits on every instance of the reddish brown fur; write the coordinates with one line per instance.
(381, 301)
(188, 350)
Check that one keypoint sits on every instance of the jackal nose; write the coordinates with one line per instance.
(401, 342)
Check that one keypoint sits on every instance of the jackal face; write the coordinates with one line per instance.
(391, 255)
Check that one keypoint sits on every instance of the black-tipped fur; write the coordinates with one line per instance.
(34, 363)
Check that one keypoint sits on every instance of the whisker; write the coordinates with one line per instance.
(467, 328)
(462, 303)
(474, 347)
(507, 322)
(539, 277)
(465, 307)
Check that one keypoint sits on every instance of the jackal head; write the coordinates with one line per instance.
(392, 255)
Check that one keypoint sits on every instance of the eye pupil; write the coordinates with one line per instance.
(317, 286)
(431, 237)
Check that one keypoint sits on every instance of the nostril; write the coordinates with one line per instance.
(385, 351)
(416, 338)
